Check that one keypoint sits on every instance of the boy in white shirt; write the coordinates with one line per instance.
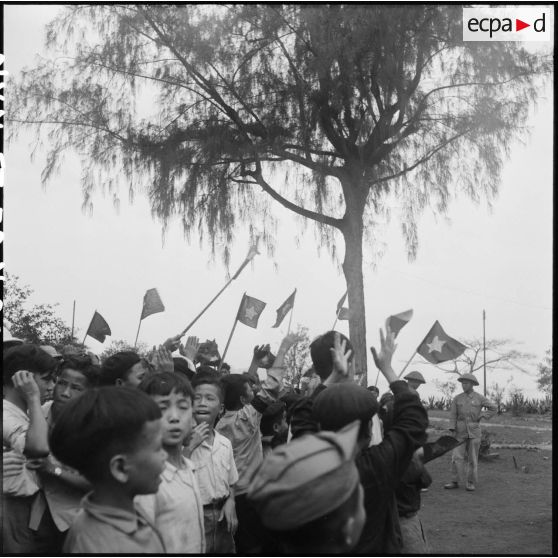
(176, 508)
(215, 467)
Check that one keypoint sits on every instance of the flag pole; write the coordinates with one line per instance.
(291, 316)
(484, 348)
(339, 311)
(230, 336)
(87, 331)
(408, 362)
(137, 334)
(73, 318)
(251, 254)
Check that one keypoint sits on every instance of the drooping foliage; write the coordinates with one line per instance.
(331, 110)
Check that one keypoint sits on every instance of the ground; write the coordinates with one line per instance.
(511, 510)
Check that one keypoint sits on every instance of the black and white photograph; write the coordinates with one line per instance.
(277, 278)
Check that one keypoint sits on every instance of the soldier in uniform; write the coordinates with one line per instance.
(465, 415)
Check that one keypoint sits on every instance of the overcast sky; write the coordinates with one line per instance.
(470, 260)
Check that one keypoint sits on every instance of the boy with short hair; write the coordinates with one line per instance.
(62, 487)
(176, 508)
(113, 437)
(241, 425)
(125, 368)
(382, 466)
(215, 467)
(27, 380)
(273, 426)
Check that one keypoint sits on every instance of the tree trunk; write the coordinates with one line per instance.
(352, 267)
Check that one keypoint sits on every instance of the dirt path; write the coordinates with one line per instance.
(509, 513)
(500, 425)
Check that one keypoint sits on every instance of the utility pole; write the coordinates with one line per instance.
(484, 347)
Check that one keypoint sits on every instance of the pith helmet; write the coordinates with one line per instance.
(468, 378)
(414, 375)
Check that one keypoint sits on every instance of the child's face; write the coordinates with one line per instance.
(69, 385)
(177, 416)
(45, 381)
(207, 404)
(135, 375)
(248, 396)
(147, 462)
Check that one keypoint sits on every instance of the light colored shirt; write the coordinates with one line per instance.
(377, 431)
(15, 424)
(466, 412)
(215, 468)
(242, 428)
(176, 509)
(107, 530)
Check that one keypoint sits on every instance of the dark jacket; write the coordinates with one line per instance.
(381, 468)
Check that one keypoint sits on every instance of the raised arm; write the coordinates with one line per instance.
(36, 439)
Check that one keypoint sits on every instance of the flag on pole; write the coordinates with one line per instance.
(398, 321)
(152, 303)
(438, 346)
(342, 313)
(250, 310)
(284, 309)
(98, 328)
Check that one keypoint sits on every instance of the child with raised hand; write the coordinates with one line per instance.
(215, 467)
(241, 425)
(176, 508)
(27, 381)
(113, 437)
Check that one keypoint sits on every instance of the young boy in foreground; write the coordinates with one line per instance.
(113, 437)
(176, 508)
(215, 467)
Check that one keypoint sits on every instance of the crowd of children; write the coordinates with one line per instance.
(173, 455)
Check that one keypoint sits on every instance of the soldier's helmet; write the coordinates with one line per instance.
(468, 378)
(414, 375)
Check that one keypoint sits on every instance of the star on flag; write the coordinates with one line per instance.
(438, 346)
(249, 311)
(435, 345)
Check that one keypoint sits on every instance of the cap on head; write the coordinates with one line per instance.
(305, 479)
(415, 375)
(340, 404)
(468, 378)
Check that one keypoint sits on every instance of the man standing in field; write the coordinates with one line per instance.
(465, 415)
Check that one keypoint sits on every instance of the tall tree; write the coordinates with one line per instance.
(329, 110)
(34, 323)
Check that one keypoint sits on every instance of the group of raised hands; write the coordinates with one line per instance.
(343, 365)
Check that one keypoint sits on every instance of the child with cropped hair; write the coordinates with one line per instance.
(273, 426)
(27, 381)
(241, 425)
(113, 437)
(176, 508)
(215, 466)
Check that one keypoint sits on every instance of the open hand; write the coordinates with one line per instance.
(162, 360)
(340, 357)
(25, 383)
(190, 350)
